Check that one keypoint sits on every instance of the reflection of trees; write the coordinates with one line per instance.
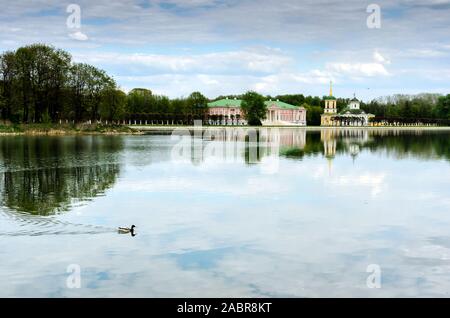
(400, 143)
(311, 146)
(419, 144)
(228, 145)
(44, 175)
(254, 147)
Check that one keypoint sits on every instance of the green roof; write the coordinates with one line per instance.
(226, 103)
(280, 105)
(329, 98)
(352, 111)
(237, 103)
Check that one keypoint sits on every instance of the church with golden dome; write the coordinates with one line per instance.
(352, 115)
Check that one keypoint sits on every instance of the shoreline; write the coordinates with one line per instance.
(308, 128)
(57, 130)
(65, 130)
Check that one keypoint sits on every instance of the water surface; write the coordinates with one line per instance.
(295, 214)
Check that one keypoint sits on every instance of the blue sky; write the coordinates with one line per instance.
(275, 47)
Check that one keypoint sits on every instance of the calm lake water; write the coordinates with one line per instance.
(278, 212)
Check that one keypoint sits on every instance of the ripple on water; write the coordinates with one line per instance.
(22, 224)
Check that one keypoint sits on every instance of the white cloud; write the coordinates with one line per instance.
(189, 3)
(212, 85)
(380, 58)
(375, 182)
(422, 53)
(290, 81)
(266, 70)
(264, 60)
(358, 69)
(79, 36)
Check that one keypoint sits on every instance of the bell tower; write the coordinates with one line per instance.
(328, 116)
(330, 102)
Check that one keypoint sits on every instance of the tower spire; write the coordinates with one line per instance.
(331, 88)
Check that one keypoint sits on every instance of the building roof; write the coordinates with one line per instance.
(237, 103)
(281, 105)
(330, 96)
(352, 111)
(226, 102)
(354, 99)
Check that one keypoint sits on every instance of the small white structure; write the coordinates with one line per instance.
(354, 103)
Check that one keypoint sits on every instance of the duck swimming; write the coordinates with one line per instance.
(127, 230)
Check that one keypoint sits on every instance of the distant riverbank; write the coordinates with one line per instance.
(94, 129)
(309, 128)
(65, 129)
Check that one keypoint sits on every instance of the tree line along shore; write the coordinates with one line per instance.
(42, 89)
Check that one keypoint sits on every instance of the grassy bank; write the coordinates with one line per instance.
(93, 129)
(64, 129)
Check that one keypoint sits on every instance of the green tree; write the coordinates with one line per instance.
(41, 72)
(443, 107)
(253, 108)
(162, 104)
(179, 109)
(98, 84)
(24, 62)
(313, 114)
(297, 99)
(7, 78)
(88, 85)
(113, 104)
(197, 104)
(79, 82)
(139, 100)
(59, 68)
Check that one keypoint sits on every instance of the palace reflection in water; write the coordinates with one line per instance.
(229, 144)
